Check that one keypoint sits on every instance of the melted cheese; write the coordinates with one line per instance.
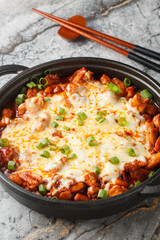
(112, 139)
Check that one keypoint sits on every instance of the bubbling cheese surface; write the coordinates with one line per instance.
(113, 140)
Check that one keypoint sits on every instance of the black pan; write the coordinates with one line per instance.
(87, 209)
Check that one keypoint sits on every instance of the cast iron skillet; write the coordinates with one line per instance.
(87, 209)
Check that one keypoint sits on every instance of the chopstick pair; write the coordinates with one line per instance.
(84, 31)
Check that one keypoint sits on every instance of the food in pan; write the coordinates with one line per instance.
(80, 137)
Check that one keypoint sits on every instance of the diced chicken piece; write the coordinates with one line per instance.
(152, 134)
(121, 85)
(31, 92)
(116, 190)
(105, 79)
(140, 103)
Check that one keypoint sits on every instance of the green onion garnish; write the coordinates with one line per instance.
(101, 113)
(4, 142)
(100, 119)
(91, 141)
(72, 156)
(122, 121)
(34, 79)
(11, 165)
(80, 121)
(65, 149)
(42, 189)
(54, 124)
(102, 194)
(47, 72)
(31, 85)
(61, 111)
(96, 170)
(150, 174)
(114, 160)
(45, 154)
(66, 128)
(39, 145)
(59, 117)
(82, 115)
(127, 82)
(137, 183)
(54, 198)
(41, 86)
(131, 186)
(131, 152)
(53, 147)
(43, 79)
(23, 90)
(45, 142)
(146, 94)
(47, 99)
(20, 98)
(114, 88)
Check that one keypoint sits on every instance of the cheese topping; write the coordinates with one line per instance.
(113, 140)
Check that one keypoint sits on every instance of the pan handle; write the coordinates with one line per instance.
(10, 69)
(153, 189)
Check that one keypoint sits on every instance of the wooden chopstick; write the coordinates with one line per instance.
(129, 54)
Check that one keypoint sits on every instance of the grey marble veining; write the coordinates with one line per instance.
(28, 39)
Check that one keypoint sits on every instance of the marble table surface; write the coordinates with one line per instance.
(28, 39)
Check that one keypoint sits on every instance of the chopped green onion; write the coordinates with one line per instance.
(39, 145)
(127, 82)
(47, 99)
(11, 165)
(18, 101)
(101, 113)
(41, 79)
(42, 189)
(61, 111)
(146, 94)
(66, 128)
(122, 121)
(31, 85)
(59, 117)
(96, 170)
(72, 156)
(54, 124)
(65, 149)
(137, 183)
(54, 198)
(47, 72)
(80, 122)
(114, 160)
(82, 115)
(53, 147)
(20, 98)
(4, 142)
(114, 88)
(45, 154)
(23, 90)
(100, 119)
(102, 194)
(91, 141)
(40, 86)
(45, 142)
(131, 152)
(151, 174)
(131, 186)
(34, 79)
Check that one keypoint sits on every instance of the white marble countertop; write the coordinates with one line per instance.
(28, 39)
